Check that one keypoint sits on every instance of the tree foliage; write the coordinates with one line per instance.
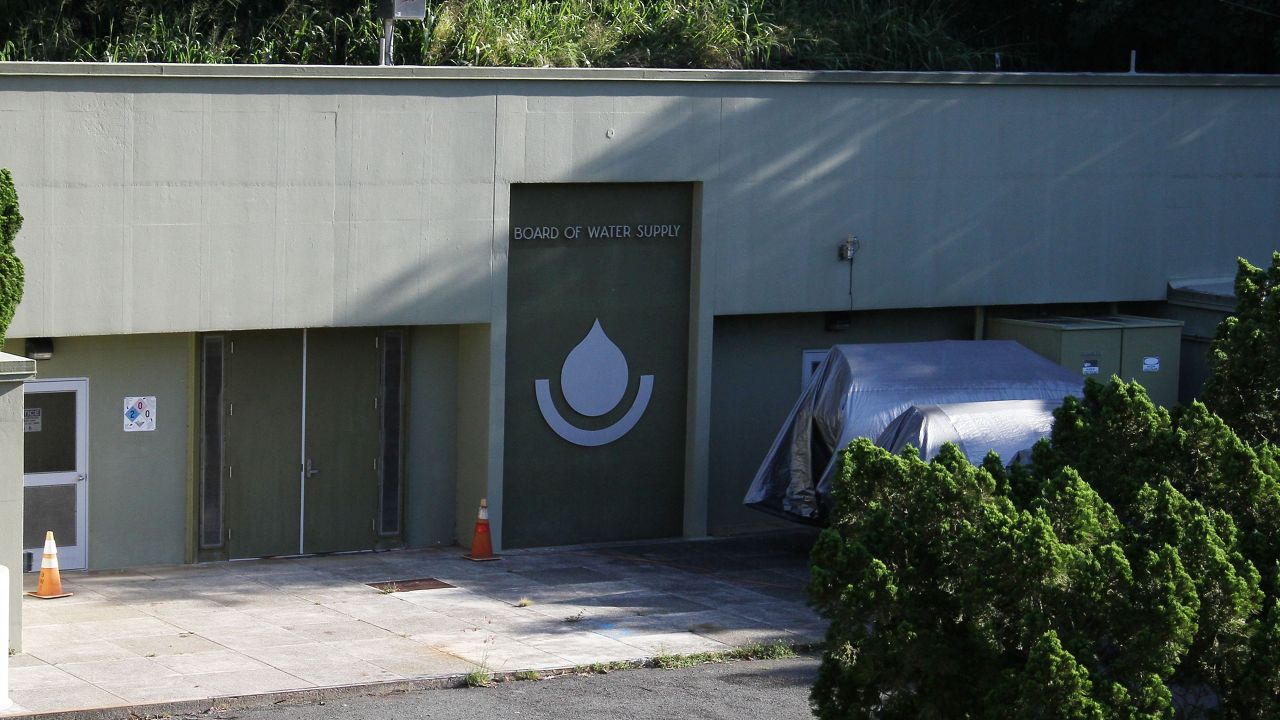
(1131, 570)
(1244, 359)
(11, 274)
(1097, 35)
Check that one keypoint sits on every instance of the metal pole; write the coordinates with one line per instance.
(388, 42)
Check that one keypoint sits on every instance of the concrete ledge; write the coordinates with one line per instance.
(14, 368)
(416, 72)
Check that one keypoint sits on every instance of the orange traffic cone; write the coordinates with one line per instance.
(50, 584)
(481, 543)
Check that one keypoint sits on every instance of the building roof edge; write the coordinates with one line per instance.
(444, 73)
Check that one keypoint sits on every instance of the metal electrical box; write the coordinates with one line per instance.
(402, 9)
(1150, 352)
(1089, 347)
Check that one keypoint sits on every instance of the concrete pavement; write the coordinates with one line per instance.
(218, 630)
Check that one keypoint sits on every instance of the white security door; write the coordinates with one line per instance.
(55, 461)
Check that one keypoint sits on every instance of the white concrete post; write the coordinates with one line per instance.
(5, 702)
(13, 371)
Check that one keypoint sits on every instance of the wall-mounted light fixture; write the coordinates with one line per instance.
(846, 251)
(40, 348)
(848, 248)
(837, 320)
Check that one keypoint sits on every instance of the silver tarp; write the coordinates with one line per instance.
(1009, 427)
(859, 389)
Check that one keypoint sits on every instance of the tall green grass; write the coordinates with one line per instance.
(585, 33)
(836, 34)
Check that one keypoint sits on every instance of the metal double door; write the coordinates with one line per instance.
(301, 441)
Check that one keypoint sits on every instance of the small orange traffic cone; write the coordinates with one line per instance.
(481, 543)
(49, 586)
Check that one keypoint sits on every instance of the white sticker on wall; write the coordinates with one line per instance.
(1151, 364)
(139, 414)
(32, 419)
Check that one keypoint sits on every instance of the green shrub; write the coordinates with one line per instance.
(11, 273)
(1244, 360)
(1129, 571)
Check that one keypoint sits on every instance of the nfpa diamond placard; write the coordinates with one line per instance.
(139, 414)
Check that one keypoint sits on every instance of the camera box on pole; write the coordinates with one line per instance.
(402, 9)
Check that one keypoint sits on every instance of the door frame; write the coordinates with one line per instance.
(70, 557)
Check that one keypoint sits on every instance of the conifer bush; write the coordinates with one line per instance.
(11, 274)
(1244, 359)
(1129, 572)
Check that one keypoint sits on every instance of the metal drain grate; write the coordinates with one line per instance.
(391, 586)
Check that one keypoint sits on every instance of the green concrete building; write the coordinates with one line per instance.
(290, 310)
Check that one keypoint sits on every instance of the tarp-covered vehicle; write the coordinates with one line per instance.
(859, 390)
(1007, 427)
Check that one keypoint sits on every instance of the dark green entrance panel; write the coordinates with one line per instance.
(597, 354)
(342, 439)
(260, 493)
(262, 426)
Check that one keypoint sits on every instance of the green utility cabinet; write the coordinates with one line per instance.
(1089, 347)
(1150, 353)
(1147, 350)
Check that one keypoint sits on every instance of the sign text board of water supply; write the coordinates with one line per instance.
(573, 232)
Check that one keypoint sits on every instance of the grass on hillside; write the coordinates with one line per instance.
(832, 34)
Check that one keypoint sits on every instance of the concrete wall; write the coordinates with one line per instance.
(138, 481)
(174, 199)
(757, 379)
(311, 197)
(431, 437)
(474, 429)
(13, 370)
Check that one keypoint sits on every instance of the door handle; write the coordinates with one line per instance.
(79, 478)
(311, 469)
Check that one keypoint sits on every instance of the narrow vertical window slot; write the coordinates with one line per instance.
(211, 442)
(392, 412)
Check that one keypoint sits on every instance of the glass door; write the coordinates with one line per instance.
(54, 474)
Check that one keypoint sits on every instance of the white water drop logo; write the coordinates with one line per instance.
(593, 380)
(594, 376)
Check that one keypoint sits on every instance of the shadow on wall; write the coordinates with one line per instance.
(961, 196)
(246, 203)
